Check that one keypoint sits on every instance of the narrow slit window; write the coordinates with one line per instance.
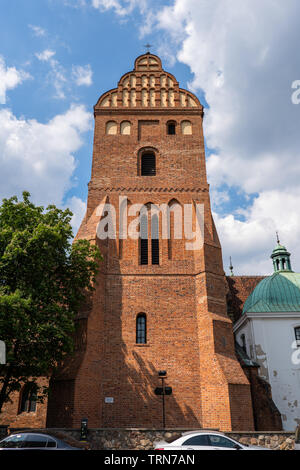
(283, 263)
(144, 238)
(141, 329)
(155, 239)
(297, 335)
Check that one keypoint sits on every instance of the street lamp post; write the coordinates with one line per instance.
(163, 390)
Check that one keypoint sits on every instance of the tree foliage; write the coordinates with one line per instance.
(43, 281)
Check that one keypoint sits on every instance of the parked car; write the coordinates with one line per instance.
(205, 440)
(34, 441)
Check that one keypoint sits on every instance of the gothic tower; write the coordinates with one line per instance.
(158, 304)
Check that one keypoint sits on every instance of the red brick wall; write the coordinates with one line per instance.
(11, 416)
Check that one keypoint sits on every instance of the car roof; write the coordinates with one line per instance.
(202, 431)
(32, 433)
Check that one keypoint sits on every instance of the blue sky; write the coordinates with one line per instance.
(58, 56)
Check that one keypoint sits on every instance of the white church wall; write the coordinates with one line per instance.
(272, 341)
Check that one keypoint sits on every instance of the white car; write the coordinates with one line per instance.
(205, 440)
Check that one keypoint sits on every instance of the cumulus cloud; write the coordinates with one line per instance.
(251, 240)
(10, 77)
(82, 75)
(243, 56)
(39, 157)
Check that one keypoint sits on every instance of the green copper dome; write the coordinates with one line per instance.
(279, 292)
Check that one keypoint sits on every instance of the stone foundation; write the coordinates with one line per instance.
(143, 439)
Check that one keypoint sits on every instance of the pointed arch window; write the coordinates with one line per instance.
(141, 328)
(28, 398)
(155, 239)
(149, 245)
(174, 228)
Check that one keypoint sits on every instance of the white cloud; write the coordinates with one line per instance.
(82, 75)
(251, 241)
(120, 7)
(40, 157)
(45, 55)
(10, 77)
(37, 30)
(57, 75)
(78, 207)
(244, 56)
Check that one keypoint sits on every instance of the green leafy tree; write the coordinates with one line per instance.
(44, 279)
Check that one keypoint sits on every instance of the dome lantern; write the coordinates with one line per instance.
(281, 258)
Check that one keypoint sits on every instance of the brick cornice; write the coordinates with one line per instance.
(146, 111)
(147, 189)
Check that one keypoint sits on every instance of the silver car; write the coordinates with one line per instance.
(34, 441)
(205, 440)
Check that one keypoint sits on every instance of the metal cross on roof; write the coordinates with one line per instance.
(147, 46)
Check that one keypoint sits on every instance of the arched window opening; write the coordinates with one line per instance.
(125, 128)
(243, 339)
(155, 239)
(28, 398)
(111, 128)
(297, 335)
(277, 265)
(186, 127)
(283, 263)
(144, 237)
(123, 222)
(171, 128)
(141, 329)
(148, 167)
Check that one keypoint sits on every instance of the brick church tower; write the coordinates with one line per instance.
(157, 305)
